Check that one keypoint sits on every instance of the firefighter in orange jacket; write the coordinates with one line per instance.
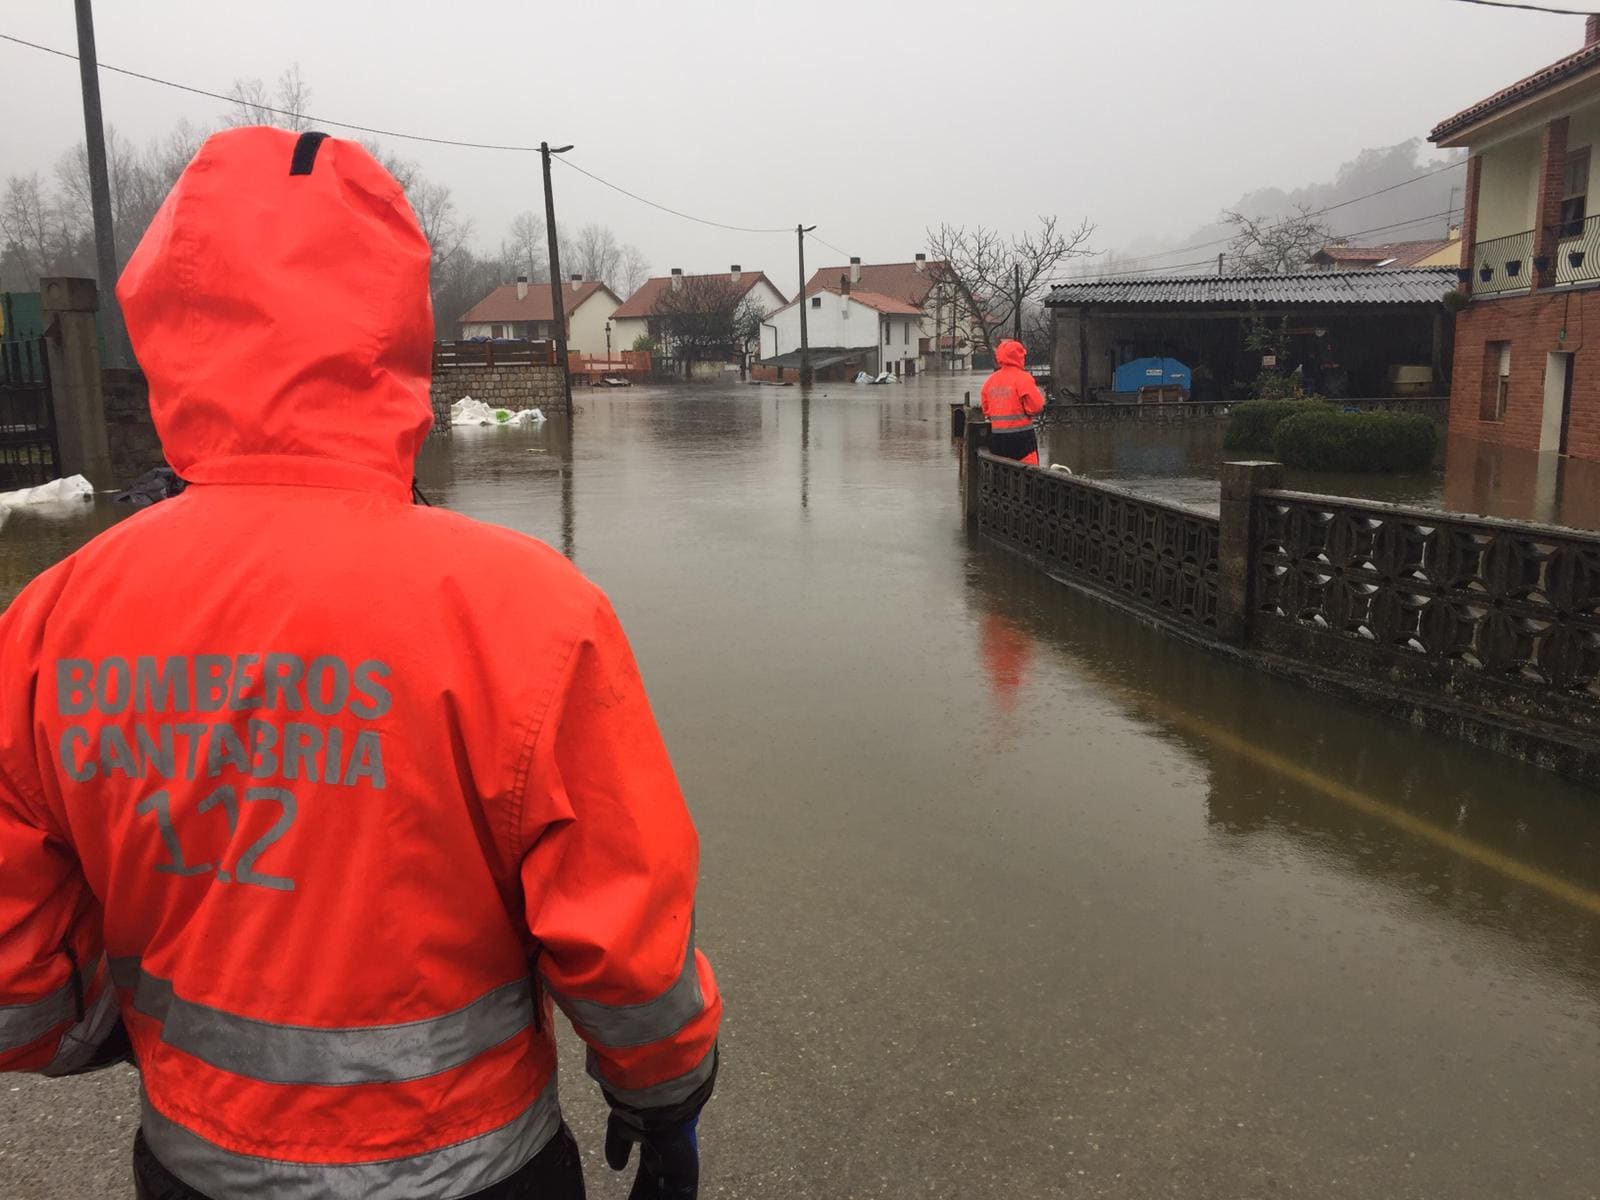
(279, 798)
(1011, 400)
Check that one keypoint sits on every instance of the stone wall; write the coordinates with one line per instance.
(513, 385)
(130, 431)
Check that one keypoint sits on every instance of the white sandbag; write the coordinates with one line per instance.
(57, 491)
(467, 411)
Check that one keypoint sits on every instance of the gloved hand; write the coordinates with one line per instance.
(669, 1158)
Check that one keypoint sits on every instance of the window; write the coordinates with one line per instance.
(816, 302)
(1496, 381)
(497, 331)
(1575, 193)
(905, 329)
(888, 333)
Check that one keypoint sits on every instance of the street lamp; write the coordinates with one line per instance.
(608, 345)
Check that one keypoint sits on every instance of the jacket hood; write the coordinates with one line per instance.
(1010, 353)
(279, 307)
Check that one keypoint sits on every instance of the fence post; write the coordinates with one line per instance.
(1239, 537)
(974, 437)
(75, 385)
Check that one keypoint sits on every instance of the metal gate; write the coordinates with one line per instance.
(29, 452)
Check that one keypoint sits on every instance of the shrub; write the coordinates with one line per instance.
(1251, 423)
(1325, 439)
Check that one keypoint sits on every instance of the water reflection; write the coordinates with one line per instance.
(1287, 769)
(1182, 463)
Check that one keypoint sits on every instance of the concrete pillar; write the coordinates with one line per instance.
(974, 437)
(1239, 542)
(80, 412)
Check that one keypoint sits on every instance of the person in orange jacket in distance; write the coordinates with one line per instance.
(1011, 400)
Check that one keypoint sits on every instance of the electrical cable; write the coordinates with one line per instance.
(388, 133)
(1557, 12)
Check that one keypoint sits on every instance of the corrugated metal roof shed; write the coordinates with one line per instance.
(1421, 285)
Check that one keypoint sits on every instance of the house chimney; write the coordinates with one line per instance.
(855, 270)
(522, 287)
(1591, 31)
(735, 272)
(922, 262)
(577, 281)
(677, 278)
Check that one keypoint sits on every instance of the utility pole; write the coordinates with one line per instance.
(800, 232)
(94, 139)
(1016, 316)
(557, 305)
(1219, 262)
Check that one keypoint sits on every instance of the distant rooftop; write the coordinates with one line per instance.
(1417, 285)
(1389, 254)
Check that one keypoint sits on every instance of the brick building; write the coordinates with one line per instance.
(1525, 375)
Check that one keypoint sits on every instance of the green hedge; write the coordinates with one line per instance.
(1329, 440)
(1250, 424)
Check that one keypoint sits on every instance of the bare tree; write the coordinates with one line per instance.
(522, 251)
(632, 271)
(992, 274)
(40, 235)
(1275, 247)
(708, 317)
(283, 105)
(595, 253)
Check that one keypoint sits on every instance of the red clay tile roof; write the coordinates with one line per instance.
(502, 303)
(887, 305)
(1573, 64)
(643, 302)
(902, 281)
(1393, 255)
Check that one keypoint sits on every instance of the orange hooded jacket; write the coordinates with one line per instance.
(326, 793)
(1011, 398)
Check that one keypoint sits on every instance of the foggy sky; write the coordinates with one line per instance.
(870, 118)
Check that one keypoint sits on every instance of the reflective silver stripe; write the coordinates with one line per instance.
(300, 1054)
(23, 1024)
(82, 1042)
(622, 1025)
(452, 1171)
(673, 1091)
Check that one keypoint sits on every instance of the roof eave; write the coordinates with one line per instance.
(1474, 128)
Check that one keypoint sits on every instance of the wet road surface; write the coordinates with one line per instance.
(1011, 896)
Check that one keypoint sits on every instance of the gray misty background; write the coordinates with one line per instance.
(872, 120)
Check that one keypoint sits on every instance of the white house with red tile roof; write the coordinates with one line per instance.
(842, 317)
(636, 317)
(526, 310)
(1389, 256)
(916, 283)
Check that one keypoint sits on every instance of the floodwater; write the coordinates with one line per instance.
(1182, 463)
(1011, 896)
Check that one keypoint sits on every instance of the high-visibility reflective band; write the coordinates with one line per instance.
(23, 1024)
(622, 1025)
(452, 1171)
(1006, 423)
(661, 1095)
(301, 1054)
(82, 1042)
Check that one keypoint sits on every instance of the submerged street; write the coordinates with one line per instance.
(1010, 896)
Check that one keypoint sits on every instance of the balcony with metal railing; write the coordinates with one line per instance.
(1577, 258)
(1502, 265)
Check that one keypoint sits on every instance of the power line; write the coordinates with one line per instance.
(829, 245)
(1222, 241)
(388, 133)
(1210, 261)
(664, 208)
(1558, 12)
